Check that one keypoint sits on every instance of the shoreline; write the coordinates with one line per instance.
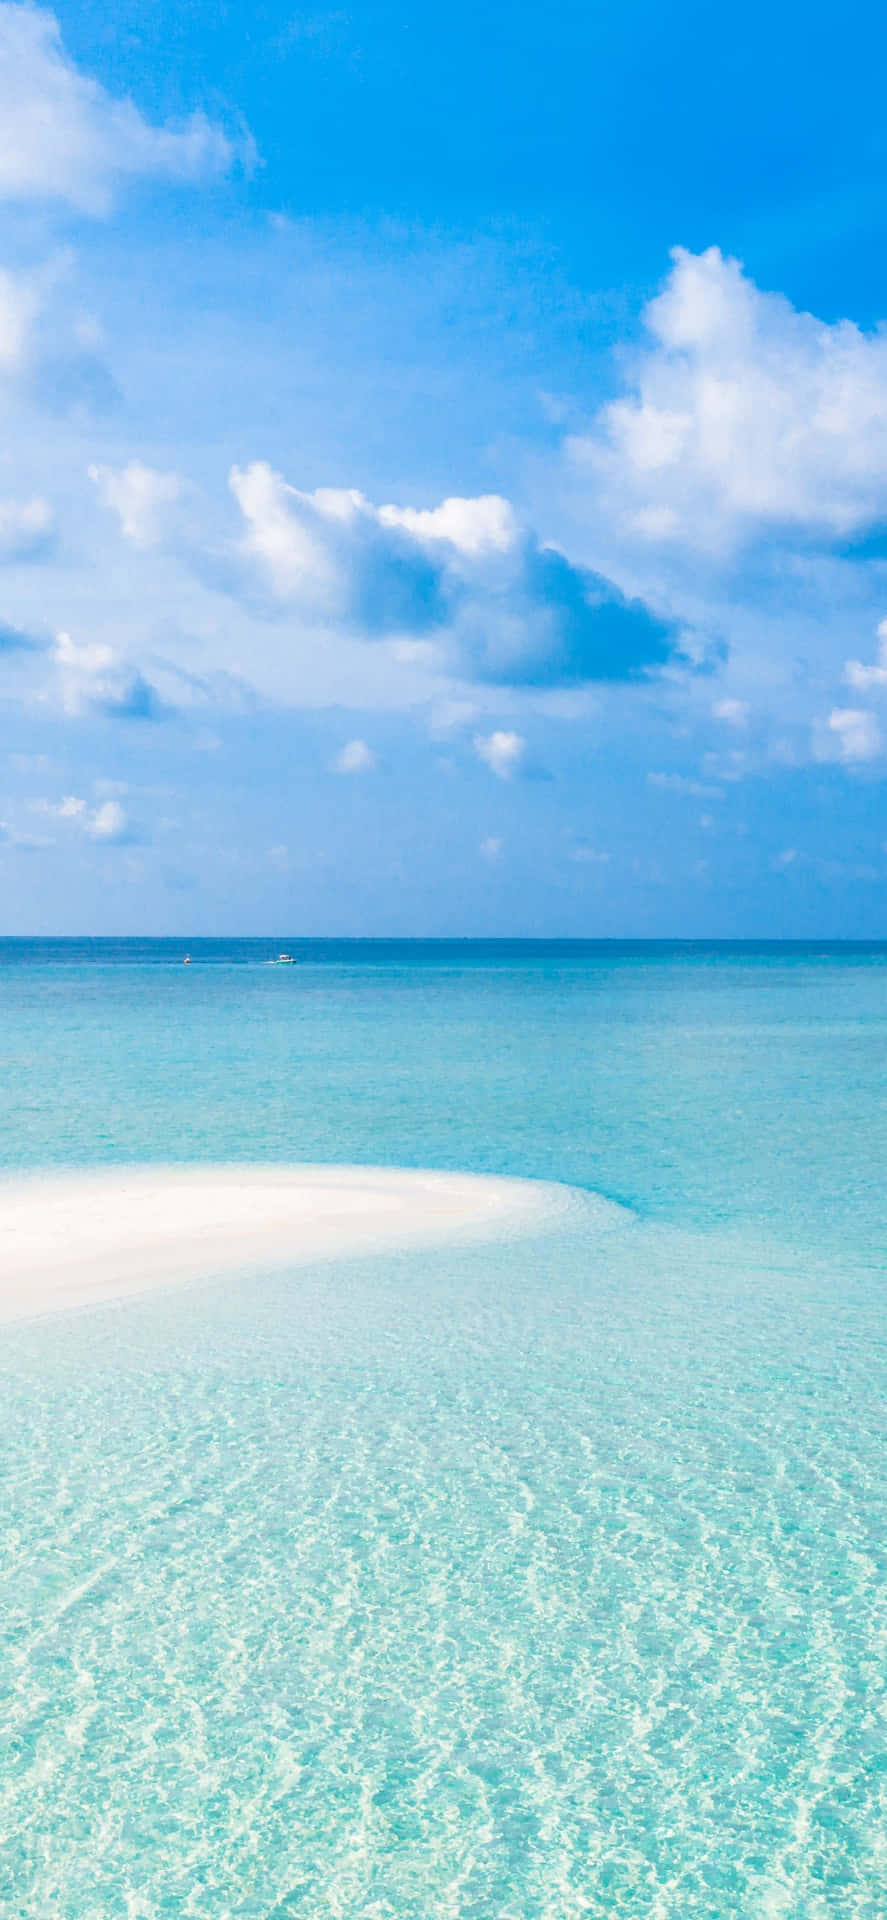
(79, 1238)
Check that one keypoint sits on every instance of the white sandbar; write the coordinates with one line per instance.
(69, 1240)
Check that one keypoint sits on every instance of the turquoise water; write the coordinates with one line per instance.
(539, 1579)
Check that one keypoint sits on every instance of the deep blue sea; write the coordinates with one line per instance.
(528, 1581)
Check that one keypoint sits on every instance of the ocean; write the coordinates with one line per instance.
(522, 1581)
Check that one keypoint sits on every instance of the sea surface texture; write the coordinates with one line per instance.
(525, 1581)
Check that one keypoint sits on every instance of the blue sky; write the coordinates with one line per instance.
(444, 478)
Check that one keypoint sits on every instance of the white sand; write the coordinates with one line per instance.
(68, 1240)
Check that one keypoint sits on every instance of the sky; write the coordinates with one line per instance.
(443, 485)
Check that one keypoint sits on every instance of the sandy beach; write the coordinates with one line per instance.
(68, 1240)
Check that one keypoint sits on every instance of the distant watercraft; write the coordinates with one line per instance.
(187, 960)
(283, 960)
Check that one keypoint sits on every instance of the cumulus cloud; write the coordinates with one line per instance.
(553, 624)
(139, 496)
(355, 757)
(499, 606)
(107, 822)
(502, 752)
(336, 557)
(94, 678)
(484, 525)
(856, 735)
(742, 415)
(65, 138)
(866, 678)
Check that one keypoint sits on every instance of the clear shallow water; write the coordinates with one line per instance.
(541, 1579)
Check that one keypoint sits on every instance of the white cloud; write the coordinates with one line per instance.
(21, 297)
(743, 414)
(781, 861)
(66, 138)
(338, 555)
(90, 657)
(487, 524)
(857, 734)
(502, 752)
(138, 496)
(93, 676)
(586, 856)
(422, 653)
(11, 836)
(501, 607)
(734, 713)
(45, 335)
(107, 821)
(355, 757)
(490, 849)
(681, 783)
(293, 552)
(26, 526)
(864, 678)
(451, 715)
